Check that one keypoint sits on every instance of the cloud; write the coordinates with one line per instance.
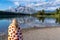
(52, 8)
(16, 3)
(57, 0)
(49, 5)
(38, 4)
(9, 7)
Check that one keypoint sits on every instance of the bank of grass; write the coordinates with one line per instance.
(52, 16)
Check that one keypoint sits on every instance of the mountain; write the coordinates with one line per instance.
(22, 9)
(49, 11)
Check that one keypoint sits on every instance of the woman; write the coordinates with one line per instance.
(14, 31)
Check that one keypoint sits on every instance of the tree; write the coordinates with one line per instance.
(43, 12)
(59, 8)
(39, 13)
(57, 11)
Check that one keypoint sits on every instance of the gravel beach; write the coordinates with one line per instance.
(40, 34)
(43, 34)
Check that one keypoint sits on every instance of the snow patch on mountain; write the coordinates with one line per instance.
(22, 9)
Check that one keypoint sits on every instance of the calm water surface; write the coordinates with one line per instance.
(29, 21)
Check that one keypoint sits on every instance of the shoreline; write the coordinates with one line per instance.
(52, 33)
(43, 34)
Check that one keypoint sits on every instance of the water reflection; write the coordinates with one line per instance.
(41, 18)
(29, 21)
(50, 20)
(58, 20)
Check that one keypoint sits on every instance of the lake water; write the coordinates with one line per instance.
(28, 21)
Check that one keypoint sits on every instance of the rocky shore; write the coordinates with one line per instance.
(39, 34)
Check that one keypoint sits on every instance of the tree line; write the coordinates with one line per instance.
(42, 12)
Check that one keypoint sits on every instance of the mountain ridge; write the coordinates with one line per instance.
(22, 9)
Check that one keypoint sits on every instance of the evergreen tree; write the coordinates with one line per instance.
(57, 11)
(39, 13)
(43, 12)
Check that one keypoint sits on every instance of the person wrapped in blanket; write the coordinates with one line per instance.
(14, 31)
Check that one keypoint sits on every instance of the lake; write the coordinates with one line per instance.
(28, 22)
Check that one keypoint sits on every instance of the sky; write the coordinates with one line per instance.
(36, 4)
